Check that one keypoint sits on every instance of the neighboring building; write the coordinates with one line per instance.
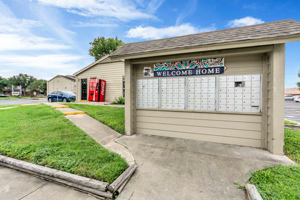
(62, 83)
(292, 91)
(224, 86)
(110, 71)
(8, 91)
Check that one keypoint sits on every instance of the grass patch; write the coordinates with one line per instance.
(42, 135)
(114, 117)
(288, 122)
(6, 106)
(280, 182)
(292, 145)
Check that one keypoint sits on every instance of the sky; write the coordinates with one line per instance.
(44, 38)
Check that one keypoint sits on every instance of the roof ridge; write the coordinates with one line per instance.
(211, 31)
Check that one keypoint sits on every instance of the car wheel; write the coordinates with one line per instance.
(50, 100)
(65, 100)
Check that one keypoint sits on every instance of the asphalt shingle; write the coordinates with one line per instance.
(259, 31)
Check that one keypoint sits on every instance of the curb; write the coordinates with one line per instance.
(74, 113)
(60, 106)
(252, 192)
(82, 183)
(291, 126)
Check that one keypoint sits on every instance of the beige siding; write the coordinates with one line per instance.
(222, 128)
(111, 72)
(230, 128)
(62, 84)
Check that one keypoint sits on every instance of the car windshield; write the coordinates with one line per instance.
(69, 93)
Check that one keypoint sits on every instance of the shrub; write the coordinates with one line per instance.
(119, 100)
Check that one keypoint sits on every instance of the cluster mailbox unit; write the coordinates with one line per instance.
(240, 93)
(223, 86)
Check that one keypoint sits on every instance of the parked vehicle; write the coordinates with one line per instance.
(288, 97)
(3, 95)
(296, 98)
(64, 96)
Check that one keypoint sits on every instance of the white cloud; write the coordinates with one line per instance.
(16, 25)
(150, 32)
(94, 24)
(17, 42)
(123, 10)
(188, 10)
(40, 66)
(15, 34)
(246, 21)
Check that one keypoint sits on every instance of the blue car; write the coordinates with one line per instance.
(64, 96)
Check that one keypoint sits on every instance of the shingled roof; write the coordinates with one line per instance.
(245, 33)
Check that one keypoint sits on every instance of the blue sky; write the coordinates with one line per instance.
(49, 37)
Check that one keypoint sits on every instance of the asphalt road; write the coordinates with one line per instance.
(292, 111)
(21, 101)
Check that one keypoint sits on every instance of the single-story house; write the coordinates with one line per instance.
(62, 83)
(111, 71)
(224, 86)
(292, 91)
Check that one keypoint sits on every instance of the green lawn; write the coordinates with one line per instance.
(6, 106)
(288, 122)
(281, 182)
(114, 117)
(42, 135)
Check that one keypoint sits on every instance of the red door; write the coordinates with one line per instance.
(102, 90)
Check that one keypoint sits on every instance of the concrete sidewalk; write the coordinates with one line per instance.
(98, 131)
(15, 185)
(177, 169)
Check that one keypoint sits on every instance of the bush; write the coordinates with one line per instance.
(119, 100)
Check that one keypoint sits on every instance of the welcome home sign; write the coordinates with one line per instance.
(190, 68)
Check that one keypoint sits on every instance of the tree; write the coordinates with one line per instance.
(102, 47)
(40, 85)
(22, 79)
(298, 84)
(3, 82)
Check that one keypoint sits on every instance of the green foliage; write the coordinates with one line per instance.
(119, 100)
(298, 83)
(288, 122)
(280, 182)
(101, 46)
(292, 144)
(114, 117)
(40, 85)
(42, 135)
(3, 82)
(22, 79)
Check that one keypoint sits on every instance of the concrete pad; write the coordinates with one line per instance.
(98, 131)
(52, 191)
(15, 185)
(172, 168)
